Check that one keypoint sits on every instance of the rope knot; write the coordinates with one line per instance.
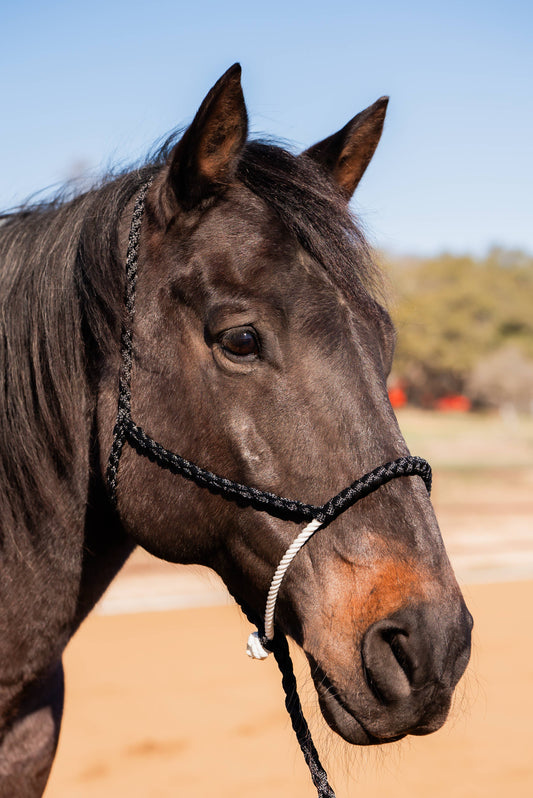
(257, 647)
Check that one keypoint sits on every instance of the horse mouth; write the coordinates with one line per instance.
(340, 717)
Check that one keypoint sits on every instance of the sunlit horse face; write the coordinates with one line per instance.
(253, 359)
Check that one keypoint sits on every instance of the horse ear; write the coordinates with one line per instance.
(346, 154)
(203, 162)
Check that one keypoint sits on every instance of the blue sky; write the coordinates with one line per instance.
(90, 85)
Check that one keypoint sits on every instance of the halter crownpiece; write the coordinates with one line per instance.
(266, 639)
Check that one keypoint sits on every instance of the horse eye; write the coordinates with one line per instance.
(240, 342)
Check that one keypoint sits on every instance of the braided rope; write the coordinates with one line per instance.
(259, 647)
(281, 570)
(280, 649)
(244, 495)
(298, 721)
(126, 343)
(271, 503)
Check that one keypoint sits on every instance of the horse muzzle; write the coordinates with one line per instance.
(407, 667)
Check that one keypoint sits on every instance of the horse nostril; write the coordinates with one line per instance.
(414, 658)
(388, 664)
(397, 640)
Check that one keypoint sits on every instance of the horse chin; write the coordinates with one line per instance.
(343, 721)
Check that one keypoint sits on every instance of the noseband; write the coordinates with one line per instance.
(268, 638)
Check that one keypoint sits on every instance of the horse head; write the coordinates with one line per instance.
(261, 351)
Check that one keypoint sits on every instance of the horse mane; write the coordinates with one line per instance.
(60, 279)
(61, 288)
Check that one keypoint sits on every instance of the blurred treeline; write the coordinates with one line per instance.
(465, 326)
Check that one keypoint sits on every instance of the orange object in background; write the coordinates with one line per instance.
(455, 403)
(397, 396)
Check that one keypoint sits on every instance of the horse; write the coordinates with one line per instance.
(259, 347)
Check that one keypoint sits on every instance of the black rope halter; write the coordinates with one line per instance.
(126, 431)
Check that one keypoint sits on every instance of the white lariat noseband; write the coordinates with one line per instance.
(255, 647)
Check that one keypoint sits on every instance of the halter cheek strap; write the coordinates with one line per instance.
(267, 638)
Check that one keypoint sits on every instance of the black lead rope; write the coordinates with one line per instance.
(126, 430)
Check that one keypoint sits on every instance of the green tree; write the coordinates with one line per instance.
(453, 312)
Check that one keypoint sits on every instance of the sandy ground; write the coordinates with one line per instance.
(167, 704)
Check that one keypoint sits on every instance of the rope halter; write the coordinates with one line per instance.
(264, 640)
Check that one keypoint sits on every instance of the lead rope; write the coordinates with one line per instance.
(267, 639)
(280, 648)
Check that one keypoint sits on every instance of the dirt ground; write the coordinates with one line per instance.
(163, 704)
(167, 704)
